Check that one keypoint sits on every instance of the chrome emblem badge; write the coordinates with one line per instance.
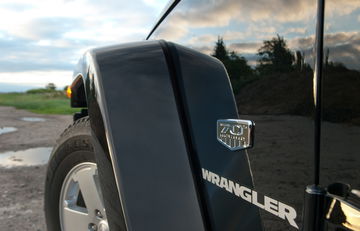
(235, 134)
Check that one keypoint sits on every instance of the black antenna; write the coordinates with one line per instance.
(169, 7)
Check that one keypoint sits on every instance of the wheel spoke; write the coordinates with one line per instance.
(81, 204)
(89, 189)
(75, 220)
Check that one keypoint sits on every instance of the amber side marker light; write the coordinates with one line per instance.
(68, 92)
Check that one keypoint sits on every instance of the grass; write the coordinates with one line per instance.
(43, 103)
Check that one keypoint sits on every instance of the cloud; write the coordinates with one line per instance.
(43, 28)
(341, 7)
(204, 49)
(250, 48)
(203, 39)
(302, 43)
(171, 32)
(265, 14)
(27, 55)
(219, 13)
(41, 41)
(340, 38)
(296, 30)
(36, 78)
(344, 48)
(253, 31)
(51, 19)
(158, 4)
(16, 6)
(52, 35)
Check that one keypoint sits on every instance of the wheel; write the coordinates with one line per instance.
(73, 197)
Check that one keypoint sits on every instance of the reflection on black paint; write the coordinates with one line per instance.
(340, 156)
(277, 95)
(276, 40)
(341, 94)
(342, 211)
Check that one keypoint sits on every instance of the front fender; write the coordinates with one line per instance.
(130, 98)
(153, 106)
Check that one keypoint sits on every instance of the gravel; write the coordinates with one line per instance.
(22, 188)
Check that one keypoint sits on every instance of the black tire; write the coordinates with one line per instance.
(73, 147)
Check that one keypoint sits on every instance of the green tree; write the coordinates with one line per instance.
(50, 86)
(275, 56)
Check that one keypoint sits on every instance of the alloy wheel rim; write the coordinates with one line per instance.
(81, 205)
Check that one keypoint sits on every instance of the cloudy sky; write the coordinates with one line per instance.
(41, 40)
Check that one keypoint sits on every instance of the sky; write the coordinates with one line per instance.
(41, 40)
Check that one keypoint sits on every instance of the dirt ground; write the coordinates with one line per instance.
(30, 134)
(22, 188)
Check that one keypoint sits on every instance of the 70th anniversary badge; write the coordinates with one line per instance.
(236, 134)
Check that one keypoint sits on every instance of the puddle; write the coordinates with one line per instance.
(33, 119)
(4, 130)
(28, 157)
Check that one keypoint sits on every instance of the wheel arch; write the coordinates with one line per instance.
(78, 93)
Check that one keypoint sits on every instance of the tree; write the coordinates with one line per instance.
(220, 51)
(50, 86)
(327, 57)
(275, 56)
(299, 61)
(236, 65)
(300, 65)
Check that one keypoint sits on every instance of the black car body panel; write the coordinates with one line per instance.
(173, 153)
(207, 97)
(151, 102)
(286, 105)
(282, 165)
(144, 135)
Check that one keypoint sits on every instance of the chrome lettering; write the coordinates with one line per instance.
(237, 130)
